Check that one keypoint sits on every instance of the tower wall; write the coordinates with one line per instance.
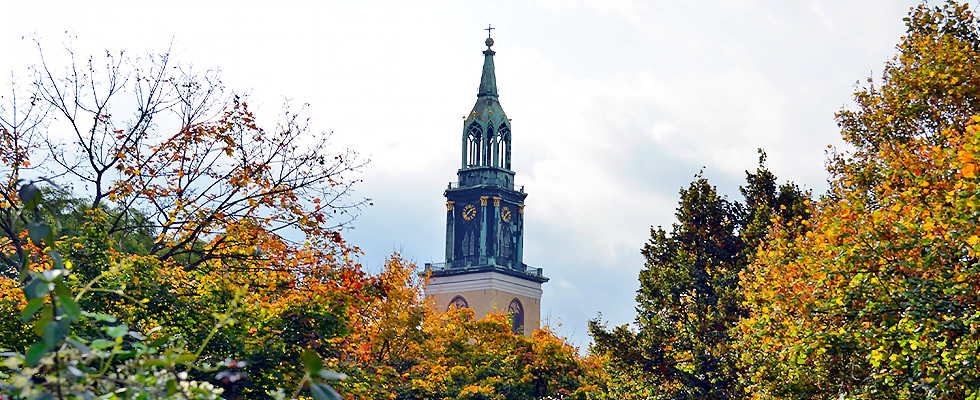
(487, 292)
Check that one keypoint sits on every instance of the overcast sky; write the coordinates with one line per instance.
(615, 104)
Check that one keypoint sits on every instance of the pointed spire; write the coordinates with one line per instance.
(488, 82)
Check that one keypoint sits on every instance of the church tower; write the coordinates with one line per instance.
(484, 268)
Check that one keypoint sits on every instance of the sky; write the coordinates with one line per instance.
(616, 105)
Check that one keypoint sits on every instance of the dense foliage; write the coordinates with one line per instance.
(207, 261)
(399, 347)
(870, 292)
(690, 297)
(166, 227)
(877, 296)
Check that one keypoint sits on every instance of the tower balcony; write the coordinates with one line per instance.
(455, 185)
(475, 176)
(464, 267)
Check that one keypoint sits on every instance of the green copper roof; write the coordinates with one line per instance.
(488, 82)
(487, 111)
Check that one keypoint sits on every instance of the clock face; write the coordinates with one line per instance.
(469, 212)
(505, 214)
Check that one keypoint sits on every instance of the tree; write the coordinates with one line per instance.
(82, 354)
(398, 346)
(876, 296)
(167, 173)
(690, 296)
(483, 359)
(217, 186)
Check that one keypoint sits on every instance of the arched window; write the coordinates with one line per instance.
(503, 134)
(458, 303)
(506, 240)
(488, 148)
(516, 311)
(469, 243)
(474, 137)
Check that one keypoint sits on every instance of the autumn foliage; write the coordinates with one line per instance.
(182, 217)
(166, 228)
(869, 292)
(189, 221)
(877, 295)
(398, 346)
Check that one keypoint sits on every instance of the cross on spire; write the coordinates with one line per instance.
(489, 28)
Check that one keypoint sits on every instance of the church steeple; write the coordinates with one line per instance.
(486, 129)
(485, 212)
(484, 268)
(488, 82)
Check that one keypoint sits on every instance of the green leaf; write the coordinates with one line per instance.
(171, 387)
(80, 346)
(101, 344)
(29, 195)
(38, 232)
(35, 353)
(37, 287)
(71, 308)
(56, 331)
(117, 331)
(60, 288)
(100, 317)
(31, 308)
(56, 260)
(41, 323)
(124, 355)
(25, 270)
(312, 362)
(160, 342)
(156, 362)
(324, 392)
(186, 358)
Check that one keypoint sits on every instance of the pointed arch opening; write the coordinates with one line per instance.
(507, 241)
(474, 140)
(503, 135)
(469, 243)
(488, 148)
(516, 311)
(458, 303)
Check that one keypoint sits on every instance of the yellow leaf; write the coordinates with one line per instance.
(969, 170)
(965, 156)
(972, 240)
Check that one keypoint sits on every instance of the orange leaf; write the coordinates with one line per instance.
(969, 170)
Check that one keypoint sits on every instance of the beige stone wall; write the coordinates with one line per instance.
(484, 301)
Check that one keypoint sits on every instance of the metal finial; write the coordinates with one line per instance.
(489, 40)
